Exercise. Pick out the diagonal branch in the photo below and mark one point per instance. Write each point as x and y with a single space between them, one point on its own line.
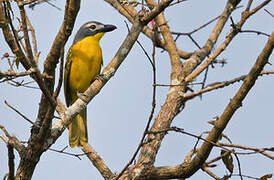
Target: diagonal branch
97 161
233 32
107 73
129 12
234 104
174 101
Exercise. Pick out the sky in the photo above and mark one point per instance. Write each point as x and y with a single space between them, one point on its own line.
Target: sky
117 116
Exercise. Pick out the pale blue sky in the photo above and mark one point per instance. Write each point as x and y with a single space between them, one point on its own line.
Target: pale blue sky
118 115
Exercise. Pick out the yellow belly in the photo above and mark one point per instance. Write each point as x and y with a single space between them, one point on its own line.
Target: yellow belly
86 64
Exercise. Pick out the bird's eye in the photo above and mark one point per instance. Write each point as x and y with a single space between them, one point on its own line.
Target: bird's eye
92 27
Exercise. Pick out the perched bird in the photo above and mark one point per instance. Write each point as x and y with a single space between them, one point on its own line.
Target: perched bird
83 64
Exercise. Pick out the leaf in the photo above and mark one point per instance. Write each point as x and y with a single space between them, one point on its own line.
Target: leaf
265 177
228 161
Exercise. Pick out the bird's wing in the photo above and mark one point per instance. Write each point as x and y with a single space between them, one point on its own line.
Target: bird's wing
66 78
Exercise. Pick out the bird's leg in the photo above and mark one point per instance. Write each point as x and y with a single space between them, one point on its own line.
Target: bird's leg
82 96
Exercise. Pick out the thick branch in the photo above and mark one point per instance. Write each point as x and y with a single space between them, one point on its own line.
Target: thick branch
174 100
97 161
41 131
97 85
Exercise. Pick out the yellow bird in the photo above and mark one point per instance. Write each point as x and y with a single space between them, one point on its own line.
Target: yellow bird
83 64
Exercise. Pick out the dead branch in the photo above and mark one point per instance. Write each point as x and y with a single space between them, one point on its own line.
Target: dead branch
11 161
234 103
233 32
272 15
97 161
217 85
12 74
18 112
256 150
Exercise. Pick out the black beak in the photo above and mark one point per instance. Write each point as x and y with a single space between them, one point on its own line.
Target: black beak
108 28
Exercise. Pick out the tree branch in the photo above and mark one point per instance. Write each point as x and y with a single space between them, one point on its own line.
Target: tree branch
233 32
217 85
129 12
98 84
97 161
233 105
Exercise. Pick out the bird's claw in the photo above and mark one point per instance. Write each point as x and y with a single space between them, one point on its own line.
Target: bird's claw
100 77
83 97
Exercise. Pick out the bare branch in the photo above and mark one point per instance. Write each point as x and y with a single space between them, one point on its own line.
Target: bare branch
13 141
18 112
152 62
272 15
60 81
210 173
11 162
217 85
234 103
97 161
34 41
62 151
256 150
129 12
98 84
12 74
26 35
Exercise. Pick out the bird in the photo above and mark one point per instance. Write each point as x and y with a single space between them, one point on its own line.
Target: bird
83 65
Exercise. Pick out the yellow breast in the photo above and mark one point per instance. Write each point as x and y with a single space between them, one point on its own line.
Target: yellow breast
86 63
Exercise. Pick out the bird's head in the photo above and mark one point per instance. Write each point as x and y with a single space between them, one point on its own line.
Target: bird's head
93 28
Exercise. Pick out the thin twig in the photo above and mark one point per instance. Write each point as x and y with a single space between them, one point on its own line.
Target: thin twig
248 5
60 81
218 85
62 151
269 13
5 131
210 173
33 37
23 116
21 84
239 165
26 34
256 150
253 31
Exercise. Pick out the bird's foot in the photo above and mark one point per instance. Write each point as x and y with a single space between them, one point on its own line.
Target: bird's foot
100 77
83 97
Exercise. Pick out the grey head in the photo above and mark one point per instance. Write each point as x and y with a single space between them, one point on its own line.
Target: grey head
90 29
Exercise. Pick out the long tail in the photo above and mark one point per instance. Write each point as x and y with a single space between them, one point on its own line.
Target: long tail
78 133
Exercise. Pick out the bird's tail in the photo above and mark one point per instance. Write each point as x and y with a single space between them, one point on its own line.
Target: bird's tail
78 134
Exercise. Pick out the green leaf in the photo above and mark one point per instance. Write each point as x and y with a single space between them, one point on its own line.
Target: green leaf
228 161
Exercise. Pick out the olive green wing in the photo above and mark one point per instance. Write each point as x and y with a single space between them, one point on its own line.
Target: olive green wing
67 91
